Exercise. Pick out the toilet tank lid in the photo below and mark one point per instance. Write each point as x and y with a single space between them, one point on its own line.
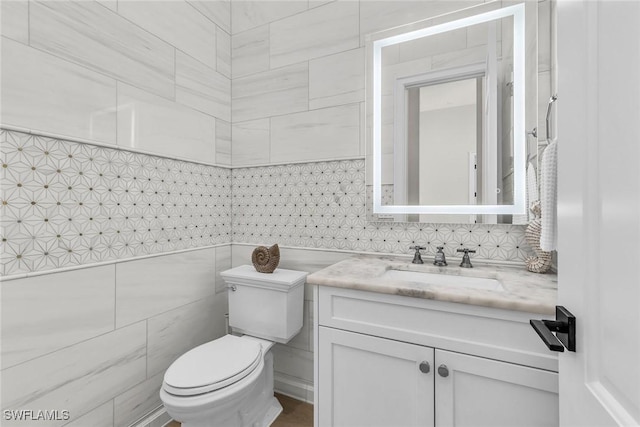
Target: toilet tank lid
280 278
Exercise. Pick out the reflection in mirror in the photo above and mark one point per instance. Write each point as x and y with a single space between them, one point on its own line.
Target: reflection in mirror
448 133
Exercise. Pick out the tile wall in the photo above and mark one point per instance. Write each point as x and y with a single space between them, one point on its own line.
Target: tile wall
155 78
135 100
298 143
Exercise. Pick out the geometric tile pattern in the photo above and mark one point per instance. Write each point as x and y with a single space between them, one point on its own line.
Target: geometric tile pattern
322 205
65 203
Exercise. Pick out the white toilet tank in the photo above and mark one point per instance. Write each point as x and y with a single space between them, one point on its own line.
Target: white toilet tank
265 305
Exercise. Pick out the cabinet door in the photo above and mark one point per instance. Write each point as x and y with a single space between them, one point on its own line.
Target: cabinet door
368 381
482 392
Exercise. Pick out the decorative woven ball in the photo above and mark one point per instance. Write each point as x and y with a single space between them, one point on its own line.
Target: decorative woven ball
266 260
541 262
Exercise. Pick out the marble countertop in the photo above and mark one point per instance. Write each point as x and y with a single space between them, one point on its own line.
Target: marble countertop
523 290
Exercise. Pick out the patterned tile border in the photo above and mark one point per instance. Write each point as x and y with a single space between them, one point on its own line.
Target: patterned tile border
66 203
322 205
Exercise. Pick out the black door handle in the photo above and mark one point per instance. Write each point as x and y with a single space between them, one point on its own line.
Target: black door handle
564 326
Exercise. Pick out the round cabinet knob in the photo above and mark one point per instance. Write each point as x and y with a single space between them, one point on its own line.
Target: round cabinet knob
443 371
233 288
425 367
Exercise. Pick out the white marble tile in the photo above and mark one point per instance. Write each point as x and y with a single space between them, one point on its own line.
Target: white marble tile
460 57
316 3
293 362
250 144
390 74
337 79
147 287
218 11
433 45
45 313
381 15
223 52
544 35
223 262
544 93
220 309
14 18
78 377
177 23
184 328
241 254
102 416
223 142
137 401
317 32
42 92
327 133
120 49
302 341
111 4
250 14
250 51
363 129
202 88
151 123
275 92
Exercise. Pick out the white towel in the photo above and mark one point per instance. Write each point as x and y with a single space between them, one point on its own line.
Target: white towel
549 197
530 196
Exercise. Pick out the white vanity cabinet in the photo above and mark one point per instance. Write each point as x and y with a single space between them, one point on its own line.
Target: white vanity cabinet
371 381
392 361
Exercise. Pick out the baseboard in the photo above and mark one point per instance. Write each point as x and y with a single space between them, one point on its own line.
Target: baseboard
155 418
293 387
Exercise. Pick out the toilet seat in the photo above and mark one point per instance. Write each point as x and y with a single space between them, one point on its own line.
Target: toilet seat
212 366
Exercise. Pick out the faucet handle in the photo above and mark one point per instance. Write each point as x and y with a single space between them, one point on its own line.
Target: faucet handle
417 259
466 261
467 251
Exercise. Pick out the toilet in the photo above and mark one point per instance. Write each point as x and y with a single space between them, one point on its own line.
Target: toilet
229 381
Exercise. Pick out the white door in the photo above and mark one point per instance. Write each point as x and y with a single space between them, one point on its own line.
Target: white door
369 381
599 209
473 391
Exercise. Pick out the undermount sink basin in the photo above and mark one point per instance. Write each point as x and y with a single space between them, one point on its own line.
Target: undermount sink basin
448 280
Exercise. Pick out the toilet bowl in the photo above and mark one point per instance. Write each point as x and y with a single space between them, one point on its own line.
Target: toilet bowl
229 381
237 391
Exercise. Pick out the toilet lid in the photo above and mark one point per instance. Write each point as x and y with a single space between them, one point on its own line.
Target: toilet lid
212 365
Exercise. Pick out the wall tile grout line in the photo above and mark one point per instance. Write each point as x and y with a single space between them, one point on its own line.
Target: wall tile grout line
36 132
301 112
186 205
209 19
95 70
71 345
145 320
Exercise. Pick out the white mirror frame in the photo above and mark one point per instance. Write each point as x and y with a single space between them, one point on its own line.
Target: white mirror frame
519 151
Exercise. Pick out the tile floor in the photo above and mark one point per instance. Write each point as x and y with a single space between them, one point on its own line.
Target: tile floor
294 414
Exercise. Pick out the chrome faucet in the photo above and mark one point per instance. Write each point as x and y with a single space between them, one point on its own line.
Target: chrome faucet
466 261
440 259
417 258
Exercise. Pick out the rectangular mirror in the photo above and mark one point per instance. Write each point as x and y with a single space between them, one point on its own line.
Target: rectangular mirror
449 102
